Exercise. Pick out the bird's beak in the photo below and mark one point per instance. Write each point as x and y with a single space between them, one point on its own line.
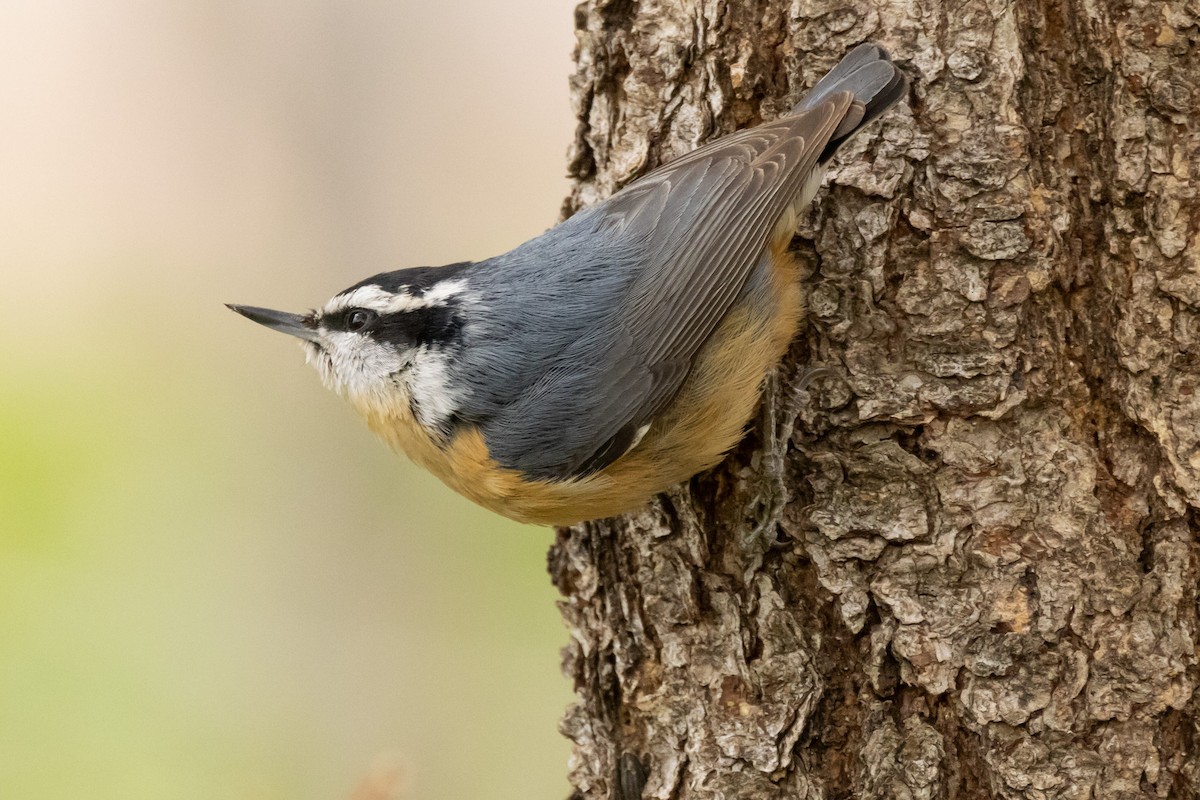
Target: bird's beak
299 325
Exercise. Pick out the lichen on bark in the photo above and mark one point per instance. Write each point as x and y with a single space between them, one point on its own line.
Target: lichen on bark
983 512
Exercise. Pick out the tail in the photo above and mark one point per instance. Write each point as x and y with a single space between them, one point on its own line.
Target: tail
876 82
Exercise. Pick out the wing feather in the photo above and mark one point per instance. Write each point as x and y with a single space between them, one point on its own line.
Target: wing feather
665 260
701 223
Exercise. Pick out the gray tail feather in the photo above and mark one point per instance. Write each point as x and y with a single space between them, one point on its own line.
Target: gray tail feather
876 82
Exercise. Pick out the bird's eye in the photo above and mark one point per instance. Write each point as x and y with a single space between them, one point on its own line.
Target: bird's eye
359 319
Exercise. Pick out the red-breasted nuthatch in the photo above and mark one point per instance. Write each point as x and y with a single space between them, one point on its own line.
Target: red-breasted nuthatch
615 355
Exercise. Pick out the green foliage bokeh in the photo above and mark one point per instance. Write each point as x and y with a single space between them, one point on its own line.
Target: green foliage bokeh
214 582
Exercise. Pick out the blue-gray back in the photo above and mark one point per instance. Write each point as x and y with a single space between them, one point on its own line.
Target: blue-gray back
589 330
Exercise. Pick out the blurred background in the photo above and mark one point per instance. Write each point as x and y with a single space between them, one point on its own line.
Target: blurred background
214 582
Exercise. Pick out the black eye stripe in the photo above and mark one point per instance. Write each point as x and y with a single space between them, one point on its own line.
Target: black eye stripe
351 319
432 325
437 325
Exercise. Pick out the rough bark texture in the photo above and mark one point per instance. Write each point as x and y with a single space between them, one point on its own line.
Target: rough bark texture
975 568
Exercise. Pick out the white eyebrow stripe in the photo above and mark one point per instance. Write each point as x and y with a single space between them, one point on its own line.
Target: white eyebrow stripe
378 299
370 296
437 295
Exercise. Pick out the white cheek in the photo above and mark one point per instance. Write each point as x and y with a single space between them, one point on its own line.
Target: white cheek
429 383
355 365
362 370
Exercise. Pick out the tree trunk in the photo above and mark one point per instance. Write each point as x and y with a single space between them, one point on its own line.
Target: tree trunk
960 560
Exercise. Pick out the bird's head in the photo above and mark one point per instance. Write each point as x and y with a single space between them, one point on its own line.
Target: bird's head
388 340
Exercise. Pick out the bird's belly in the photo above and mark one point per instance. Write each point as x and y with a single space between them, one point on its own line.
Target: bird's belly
708 417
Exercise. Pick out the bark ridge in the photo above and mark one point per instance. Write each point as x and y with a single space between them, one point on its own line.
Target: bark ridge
982 510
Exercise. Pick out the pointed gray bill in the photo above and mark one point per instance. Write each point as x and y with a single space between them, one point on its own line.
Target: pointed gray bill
292 324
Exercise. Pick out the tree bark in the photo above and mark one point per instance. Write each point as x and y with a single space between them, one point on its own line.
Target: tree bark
960 560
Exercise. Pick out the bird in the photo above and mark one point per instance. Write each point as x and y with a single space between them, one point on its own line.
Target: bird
619 353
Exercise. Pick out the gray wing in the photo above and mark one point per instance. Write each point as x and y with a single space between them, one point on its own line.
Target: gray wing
697 226
690 234
711 218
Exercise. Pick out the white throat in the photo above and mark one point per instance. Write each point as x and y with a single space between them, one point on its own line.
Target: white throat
373 375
